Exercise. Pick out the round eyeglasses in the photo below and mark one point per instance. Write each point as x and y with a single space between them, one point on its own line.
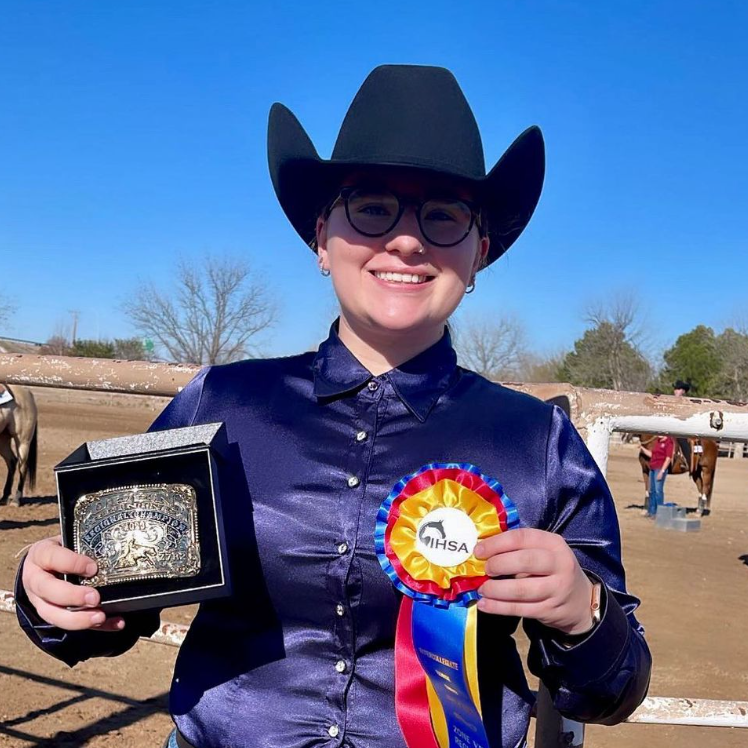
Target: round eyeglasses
444 222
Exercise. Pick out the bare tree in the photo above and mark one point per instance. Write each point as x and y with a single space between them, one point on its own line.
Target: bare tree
7 309
212 316
493 348
541 368
56 345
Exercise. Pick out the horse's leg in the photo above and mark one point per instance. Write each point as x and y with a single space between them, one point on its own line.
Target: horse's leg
699 481
22 450
10 462
644 462
707 480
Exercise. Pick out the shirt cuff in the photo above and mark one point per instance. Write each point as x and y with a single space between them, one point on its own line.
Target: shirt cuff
593 655
36 628
73 647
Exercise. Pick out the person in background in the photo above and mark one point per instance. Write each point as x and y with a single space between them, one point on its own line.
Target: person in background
681 388
660 457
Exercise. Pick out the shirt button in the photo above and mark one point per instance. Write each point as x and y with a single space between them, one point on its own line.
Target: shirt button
333 731
342 548
361 436
340 666
353 481
340 610
373 386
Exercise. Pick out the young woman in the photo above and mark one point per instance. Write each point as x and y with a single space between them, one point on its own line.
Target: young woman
402 217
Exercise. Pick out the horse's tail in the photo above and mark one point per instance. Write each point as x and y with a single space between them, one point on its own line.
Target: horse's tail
31 462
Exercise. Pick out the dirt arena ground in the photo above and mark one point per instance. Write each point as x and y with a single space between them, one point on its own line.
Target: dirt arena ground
694 589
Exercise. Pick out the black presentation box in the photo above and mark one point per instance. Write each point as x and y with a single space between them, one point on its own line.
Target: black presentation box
133 530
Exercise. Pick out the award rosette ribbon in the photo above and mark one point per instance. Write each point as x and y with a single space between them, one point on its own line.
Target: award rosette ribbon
425 534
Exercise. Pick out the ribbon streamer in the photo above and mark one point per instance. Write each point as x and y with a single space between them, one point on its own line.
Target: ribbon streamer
425 533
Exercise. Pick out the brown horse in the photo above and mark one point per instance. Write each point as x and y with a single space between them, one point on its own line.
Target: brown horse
18 430
697 457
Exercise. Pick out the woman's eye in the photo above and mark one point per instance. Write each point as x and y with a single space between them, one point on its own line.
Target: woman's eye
373 209
439 215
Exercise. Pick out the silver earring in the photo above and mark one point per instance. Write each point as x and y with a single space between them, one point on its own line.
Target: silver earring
325 272
471 286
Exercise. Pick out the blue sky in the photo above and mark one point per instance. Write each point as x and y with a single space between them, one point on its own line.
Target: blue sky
134 133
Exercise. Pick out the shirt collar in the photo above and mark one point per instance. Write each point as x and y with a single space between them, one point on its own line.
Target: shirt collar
418 382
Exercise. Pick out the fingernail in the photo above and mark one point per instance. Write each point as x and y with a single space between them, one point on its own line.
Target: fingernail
479 549
120 623
91 569
91 598
98 617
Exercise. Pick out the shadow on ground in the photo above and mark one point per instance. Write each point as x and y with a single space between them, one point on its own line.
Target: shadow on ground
133 711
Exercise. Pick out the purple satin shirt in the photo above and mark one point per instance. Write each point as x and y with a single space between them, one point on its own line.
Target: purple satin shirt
301 654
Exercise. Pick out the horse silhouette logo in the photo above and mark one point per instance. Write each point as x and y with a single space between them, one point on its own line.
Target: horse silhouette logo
435 526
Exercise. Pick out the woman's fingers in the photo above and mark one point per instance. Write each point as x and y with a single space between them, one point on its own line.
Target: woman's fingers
503 608
528 561
51 556
59 592
70 620
68 606
516 540
528 590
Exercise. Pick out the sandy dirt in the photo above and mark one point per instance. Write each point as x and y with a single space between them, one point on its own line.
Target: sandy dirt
694 588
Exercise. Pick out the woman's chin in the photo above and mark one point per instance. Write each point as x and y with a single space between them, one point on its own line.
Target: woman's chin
403 323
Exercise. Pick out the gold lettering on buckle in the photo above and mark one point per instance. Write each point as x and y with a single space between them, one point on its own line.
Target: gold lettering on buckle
138 532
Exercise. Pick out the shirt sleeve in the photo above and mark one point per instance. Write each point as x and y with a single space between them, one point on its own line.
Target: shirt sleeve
604 676
73 647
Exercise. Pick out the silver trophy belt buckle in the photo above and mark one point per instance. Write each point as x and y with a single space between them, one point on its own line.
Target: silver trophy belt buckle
138 532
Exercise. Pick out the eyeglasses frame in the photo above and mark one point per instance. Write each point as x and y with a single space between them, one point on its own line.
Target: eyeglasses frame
345 193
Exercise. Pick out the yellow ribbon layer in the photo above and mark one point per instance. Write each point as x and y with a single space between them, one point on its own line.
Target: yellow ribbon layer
445 493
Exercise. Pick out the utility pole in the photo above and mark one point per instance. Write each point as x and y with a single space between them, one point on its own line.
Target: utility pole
75 314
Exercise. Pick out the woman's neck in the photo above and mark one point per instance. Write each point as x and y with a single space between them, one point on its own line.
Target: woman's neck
380 353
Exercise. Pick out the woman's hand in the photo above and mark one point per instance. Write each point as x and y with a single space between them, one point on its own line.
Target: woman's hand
53 597
660 474
539 577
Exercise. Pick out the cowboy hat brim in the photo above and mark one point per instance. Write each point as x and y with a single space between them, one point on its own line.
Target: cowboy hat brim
305 183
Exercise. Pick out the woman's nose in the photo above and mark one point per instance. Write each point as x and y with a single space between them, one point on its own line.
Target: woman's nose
406 237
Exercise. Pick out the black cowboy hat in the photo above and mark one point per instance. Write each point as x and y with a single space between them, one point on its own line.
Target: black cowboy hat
679 384
407 116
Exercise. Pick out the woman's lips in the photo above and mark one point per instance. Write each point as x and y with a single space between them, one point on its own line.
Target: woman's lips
401 279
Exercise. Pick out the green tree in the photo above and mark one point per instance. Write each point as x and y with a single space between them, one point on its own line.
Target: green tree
694 358
92 349
604 357
130 349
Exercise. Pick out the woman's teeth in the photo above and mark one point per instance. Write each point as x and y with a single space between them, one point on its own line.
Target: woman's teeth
402 277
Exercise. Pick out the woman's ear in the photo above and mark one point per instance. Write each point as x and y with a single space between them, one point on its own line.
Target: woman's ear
321 234
482 254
